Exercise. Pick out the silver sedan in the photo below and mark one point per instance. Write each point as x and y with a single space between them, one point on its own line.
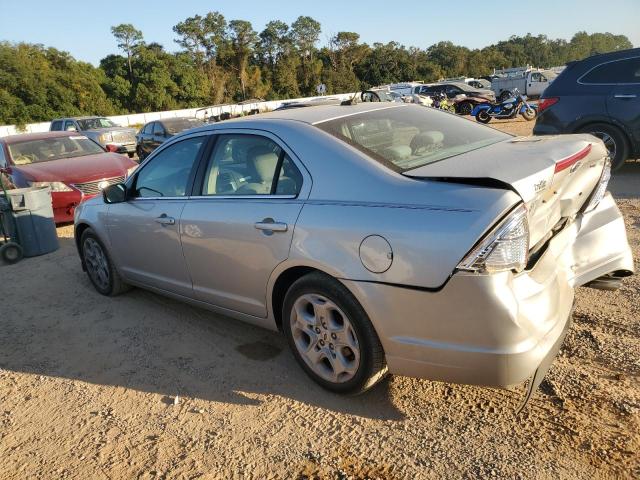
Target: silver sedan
377 237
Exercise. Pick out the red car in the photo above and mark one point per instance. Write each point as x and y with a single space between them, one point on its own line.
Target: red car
73 166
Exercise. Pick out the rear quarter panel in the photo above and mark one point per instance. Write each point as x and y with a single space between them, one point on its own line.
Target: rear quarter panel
428 241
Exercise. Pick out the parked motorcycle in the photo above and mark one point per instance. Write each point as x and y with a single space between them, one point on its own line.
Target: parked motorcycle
510 108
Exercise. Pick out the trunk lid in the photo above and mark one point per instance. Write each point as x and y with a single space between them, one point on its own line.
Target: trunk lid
553 175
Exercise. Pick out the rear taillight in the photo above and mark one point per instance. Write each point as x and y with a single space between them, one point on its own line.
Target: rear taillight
545 103
601 188
112 148
505 247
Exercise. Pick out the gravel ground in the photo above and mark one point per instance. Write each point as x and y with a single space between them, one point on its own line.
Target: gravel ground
140 386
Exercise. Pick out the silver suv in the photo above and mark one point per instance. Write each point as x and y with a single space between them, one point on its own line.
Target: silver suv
112 137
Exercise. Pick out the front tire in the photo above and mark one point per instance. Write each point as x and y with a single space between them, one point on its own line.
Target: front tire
529 114
483 117
102 273
331 335
613 139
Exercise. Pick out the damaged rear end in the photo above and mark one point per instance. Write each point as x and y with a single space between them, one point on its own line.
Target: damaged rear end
565 208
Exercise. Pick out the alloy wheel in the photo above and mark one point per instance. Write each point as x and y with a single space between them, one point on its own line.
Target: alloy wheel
96 262
325 338
609 142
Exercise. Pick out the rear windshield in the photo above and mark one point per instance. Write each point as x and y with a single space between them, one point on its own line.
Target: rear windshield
408 137
48 149
95 123
180 124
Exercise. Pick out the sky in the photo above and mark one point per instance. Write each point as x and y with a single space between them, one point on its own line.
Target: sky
83 28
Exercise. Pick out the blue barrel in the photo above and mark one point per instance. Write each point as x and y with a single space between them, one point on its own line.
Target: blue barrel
33 226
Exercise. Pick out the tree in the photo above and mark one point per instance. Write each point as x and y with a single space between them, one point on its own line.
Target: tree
305 32
243 38
128 40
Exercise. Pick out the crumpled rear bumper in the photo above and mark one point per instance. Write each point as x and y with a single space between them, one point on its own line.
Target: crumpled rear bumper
496 329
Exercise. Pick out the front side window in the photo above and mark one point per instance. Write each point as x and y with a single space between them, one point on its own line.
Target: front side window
617 72
148 129
69 126
407 137
49 149
167 173
250 165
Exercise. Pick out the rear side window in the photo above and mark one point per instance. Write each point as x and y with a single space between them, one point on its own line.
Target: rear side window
57 125
148 129
617 72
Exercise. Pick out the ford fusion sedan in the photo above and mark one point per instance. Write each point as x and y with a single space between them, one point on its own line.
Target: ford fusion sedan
73 166
152 134
377 237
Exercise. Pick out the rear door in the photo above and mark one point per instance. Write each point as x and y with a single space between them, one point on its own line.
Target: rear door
623 104
145 230
240 225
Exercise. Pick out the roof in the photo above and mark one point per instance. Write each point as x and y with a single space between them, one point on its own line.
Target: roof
25 137
86 117
319 113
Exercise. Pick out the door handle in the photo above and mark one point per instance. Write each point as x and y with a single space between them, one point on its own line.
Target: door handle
269 225
164 220
624 95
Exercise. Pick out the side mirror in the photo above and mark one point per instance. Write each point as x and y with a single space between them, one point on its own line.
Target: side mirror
116 193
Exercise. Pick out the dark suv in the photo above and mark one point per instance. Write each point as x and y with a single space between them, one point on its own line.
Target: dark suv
598 95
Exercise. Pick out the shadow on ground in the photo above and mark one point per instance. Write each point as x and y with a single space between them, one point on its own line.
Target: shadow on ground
54 323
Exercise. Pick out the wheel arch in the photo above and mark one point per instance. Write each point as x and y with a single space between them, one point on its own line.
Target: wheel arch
607 121
79 229
283 278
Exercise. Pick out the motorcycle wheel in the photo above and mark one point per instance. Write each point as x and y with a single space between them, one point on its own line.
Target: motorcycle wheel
465 108
483 117
529 114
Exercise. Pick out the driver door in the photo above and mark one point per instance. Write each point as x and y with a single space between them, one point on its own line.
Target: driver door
145 230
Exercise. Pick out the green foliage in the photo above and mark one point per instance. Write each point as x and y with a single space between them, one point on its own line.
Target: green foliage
222 61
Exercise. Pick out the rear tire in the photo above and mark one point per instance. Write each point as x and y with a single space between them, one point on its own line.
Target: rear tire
331 335
483 117
464 108
613 139
100 268
11 253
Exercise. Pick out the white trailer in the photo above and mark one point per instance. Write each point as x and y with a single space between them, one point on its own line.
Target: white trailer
529 81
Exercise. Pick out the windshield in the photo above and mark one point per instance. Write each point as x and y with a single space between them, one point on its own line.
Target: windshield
47 149
178 125
407 137
95 123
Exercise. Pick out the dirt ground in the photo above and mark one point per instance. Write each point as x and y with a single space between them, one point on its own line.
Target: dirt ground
140 386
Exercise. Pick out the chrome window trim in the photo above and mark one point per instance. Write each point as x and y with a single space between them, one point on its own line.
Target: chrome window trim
307 180
605 63
243 197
